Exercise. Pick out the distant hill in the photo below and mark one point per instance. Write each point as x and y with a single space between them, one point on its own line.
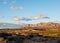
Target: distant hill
43 25
9 25
45 29
48 25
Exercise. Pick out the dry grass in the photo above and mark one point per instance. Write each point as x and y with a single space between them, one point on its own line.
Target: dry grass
27 31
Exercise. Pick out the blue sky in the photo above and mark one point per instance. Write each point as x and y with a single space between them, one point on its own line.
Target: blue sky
30 8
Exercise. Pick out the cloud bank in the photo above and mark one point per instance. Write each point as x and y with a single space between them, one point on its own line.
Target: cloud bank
15 18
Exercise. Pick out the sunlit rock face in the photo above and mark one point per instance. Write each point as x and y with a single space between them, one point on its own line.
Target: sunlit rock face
49 25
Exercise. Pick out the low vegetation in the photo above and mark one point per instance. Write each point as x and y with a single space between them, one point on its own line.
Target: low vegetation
26 31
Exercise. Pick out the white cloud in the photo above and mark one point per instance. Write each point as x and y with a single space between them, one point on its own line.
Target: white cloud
11 5
39 17
16 8
15 18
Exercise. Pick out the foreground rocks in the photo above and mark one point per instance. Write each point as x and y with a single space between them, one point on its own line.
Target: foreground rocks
33 38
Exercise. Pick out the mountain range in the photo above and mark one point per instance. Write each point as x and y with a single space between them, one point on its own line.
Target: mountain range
38 25
49 25
9 25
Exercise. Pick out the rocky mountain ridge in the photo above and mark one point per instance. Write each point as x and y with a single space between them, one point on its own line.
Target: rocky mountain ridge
45 25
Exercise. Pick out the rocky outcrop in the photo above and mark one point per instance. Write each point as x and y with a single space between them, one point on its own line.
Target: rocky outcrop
48 25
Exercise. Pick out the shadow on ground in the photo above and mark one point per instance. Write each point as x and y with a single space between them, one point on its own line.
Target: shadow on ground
32 38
